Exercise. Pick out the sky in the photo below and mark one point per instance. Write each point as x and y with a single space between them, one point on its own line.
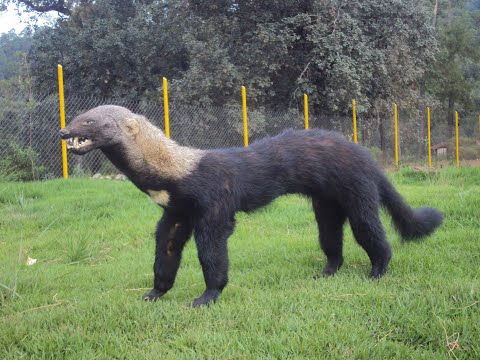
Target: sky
10 20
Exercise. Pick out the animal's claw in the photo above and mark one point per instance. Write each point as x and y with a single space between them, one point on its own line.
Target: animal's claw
153 295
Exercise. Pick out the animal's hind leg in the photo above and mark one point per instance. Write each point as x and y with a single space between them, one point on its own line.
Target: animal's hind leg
171 235
369 233
330 219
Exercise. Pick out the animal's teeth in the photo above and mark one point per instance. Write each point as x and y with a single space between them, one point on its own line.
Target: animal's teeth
78 142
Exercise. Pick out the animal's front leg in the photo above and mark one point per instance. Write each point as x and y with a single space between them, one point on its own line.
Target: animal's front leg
211 235
171 235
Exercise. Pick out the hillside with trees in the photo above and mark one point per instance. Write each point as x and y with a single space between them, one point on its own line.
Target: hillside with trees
415 53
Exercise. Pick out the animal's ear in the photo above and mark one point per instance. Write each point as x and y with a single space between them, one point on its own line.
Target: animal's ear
131 126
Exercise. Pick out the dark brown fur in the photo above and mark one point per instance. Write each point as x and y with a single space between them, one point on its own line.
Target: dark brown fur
202 190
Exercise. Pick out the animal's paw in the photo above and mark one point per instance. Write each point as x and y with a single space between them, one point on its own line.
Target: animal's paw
378 272
208 297
331 268
329 271
379 267
153 295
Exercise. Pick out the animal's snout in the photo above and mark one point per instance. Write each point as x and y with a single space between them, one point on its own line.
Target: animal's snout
64 133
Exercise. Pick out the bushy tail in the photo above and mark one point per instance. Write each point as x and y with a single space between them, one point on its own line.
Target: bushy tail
410 223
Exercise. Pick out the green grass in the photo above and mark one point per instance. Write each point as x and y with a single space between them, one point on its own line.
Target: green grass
94 243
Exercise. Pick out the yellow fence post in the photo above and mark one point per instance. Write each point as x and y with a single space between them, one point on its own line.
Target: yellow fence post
245 119
61 100
305 110
395 136
429 142
354 119
457 152
165 107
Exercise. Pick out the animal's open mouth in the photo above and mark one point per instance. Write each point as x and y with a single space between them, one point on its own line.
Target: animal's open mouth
78 143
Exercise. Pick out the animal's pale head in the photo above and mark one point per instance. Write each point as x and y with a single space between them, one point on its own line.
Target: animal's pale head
100 127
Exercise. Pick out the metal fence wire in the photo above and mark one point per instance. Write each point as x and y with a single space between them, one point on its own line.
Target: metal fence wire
30 145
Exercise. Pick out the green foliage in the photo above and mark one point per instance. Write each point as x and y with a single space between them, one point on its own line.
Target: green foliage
454 76
13 48
376 153
19 164
110 49
42 6
369 50
278 49
31 123
468 148
407 175
377 52
463 177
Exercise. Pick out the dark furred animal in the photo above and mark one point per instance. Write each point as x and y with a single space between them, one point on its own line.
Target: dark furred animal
201 191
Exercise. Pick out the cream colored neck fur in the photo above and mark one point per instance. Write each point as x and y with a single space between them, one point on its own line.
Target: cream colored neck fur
164 156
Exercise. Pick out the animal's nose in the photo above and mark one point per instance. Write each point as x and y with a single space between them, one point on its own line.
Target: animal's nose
64 133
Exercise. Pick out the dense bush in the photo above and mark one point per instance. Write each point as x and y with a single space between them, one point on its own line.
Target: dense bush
20 164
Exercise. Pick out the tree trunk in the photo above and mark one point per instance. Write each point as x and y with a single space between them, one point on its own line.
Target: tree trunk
451 116
381 131
435 12
421 120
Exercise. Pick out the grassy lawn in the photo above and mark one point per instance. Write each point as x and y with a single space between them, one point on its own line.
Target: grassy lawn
93 241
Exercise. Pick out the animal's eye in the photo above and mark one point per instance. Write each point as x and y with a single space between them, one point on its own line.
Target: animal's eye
89 122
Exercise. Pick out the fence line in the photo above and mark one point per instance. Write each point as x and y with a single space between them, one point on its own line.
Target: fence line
29 131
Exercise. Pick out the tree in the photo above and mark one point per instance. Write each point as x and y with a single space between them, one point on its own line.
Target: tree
241 43
452 79
13 49
332 49
112 49
42 6
335 50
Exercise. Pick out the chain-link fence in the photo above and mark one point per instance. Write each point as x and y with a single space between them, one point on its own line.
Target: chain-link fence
30 145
